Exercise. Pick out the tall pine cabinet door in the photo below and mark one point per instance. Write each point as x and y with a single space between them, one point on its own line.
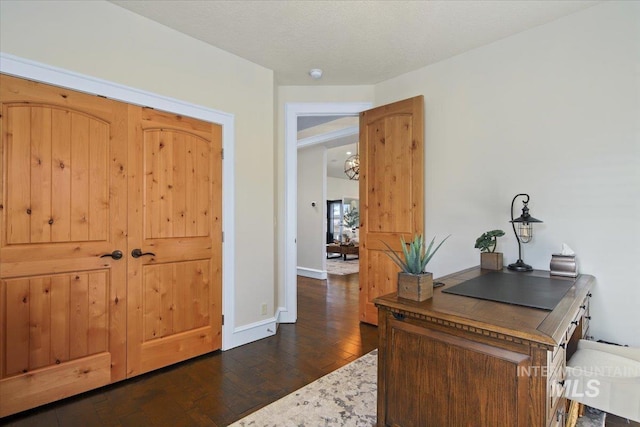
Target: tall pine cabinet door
175 239
63 197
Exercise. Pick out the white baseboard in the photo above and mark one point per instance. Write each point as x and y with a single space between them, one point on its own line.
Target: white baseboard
285 316
312 273
253 332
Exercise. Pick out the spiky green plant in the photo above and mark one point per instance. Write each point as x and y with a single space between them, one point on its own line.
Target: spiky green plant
416 256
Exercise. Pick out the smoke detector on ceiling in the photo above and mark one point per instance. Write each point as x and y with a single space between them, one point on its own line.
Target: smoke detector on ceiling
315 73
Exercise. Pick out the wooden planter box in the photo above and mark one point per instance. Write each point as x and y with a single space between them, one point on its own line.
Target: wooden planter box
491 260
416 287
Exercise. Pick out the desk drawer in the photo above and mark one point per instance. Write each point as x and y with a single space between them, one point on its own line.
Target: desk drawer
586 317
558 355
555 390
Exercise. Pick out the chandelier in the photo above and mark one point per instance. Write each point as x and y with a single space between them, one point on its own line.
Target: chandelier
352 167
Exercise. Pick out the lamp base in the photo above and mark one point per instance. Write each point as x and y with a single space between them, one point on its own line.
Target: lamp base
520 266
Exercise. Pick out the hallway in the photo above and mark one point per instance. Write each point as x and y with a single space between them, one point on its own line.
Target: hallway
222 387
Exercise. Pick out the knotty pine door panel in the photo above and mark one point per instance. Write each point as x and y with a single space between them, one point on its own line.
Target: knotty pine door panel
63 205
81 177
391 193
175 296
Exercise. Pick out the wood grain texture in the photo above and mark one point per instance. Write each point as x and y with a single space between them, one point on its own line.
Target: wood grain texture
50 384
61 174
63 205
17 224
41 194
478 379
219 388
391 192
497 361
83 176
175 194
53 319
16 307
176 164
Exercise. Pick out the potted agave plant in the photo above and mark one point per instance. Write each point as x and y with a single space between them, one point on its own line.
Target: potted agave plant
414 282
489 258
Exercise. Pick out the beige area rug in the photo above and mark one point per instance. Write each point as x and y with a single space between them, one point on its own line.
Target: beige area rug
346 397
341 267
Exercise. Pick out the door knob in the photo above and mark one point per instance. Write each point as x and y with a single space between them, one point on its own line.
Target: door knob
137 253
117 254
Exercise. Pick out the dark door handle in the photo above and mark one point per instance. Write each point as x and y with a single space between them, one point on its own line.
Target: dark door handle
137 253
117 254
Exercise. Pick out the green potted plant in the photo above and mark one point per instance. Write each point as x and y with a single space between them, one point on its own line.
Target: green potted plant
351 221
414 282
352 218
489 258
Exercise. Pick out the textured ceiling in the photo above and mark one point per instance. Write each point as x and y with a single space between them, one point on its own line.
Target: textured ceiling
354 42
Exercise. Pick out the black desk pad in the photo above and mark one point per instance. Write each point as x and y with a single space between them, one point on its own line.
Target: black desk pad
517 289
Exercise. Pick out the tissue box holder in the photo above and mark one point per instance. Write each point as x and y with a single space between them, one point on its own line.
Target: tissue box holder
563 265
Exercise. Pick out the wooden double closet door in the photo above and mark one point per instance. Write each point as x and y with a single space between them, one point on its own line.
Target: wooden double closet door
110 241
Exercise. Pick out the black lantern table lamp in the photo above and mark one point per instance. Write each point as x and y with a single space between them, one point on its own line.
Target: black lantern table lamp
524 233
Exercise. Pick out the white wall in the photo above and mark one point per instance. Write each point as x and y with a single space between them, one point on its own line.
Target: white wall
100 39
338 188
553 112
312 170
312 221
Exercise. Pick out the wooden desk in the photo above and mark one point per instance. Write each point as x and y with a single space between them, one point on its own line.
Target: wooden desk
460 361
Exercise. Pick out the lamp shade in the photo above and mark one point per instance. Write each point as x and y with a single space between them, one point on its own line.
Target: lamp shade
525 217
528 218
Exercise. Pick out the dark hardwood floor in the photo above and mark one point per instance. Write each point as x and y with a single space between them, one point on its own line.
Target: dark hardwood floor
615 421
222 387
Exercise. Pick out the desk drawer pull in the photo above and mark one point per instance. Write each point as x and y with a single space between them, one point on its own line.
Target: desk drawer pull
574 322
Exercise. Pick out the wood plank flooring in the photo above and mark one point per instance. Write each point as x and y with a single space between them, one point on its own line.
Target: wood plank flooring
222 387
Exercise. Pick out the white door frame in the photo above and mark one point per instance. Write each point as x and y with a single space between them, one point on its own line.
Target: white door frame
20 67
288 313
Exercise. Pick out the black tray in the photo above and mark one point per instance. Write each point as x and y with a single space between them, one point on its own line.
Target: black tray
517 289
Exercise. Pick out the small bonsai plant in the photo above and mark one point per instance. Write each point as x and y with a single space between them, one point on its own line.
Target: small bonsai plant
416 256
488 241
489 258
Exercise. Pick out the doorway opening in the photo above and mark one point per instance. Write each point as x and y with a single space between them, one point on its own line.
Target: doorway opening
293 111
